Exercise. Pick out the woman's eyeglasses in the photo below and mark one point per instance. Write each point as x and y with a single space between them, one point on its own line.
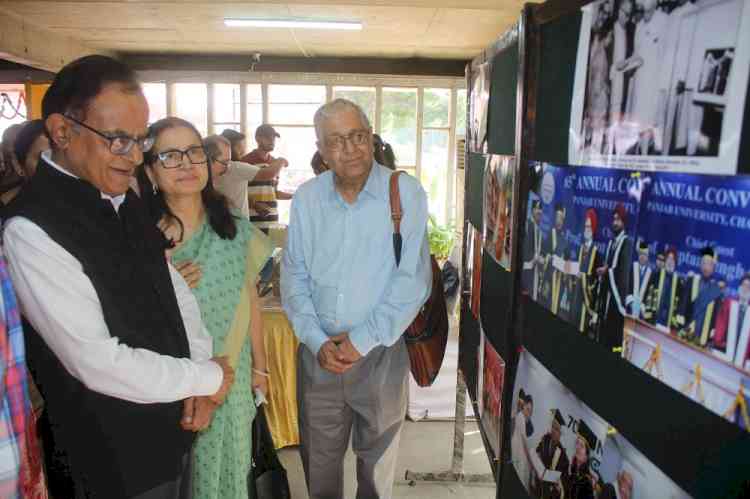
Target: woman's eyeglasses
173 158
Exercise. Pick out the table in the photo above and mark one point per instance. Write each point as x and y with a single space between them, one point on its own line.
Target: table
281 353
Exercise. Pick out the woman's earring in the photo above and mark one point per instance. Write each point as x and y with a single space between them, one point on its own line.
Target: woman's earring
156 189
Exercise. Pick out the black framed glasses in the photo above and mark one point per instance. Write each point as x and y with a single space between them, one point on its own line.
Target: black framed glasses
225 164
338 142
120 144
173 158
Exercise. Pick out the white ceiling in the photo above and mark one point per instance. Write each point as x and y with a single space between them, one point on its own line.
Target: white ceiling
445 29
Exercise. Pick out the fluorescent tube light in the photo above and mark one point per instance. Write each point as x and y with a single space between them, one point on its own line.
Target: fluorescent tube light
292 23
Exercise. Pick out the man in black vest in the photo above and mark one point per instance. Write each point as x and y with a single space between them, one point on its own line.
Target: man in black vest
114 337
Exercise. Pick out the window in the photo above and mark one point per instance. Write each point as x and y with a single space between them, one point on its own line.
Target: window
156 96
291 109
294 104
191 104
12 108
435 159
363 96
226 107
461 112
254 112
399 124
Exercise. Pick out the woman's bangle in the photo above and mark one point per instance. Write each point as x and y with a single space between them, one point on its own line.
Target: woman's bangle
262 373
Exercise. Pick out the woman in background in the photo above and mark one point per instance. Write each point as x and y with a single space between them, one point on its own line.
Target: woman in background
383 152
176 186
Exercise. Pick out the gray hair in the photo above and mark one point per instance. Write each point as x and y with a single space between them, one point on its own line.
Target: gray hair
331 109
212 144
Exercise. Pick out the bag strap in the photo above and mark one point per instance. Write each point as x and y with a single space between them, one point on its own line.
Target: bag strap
396 215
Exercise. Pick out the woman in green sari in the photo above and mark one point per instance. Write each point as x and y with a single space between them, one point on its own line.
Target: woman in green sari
176 184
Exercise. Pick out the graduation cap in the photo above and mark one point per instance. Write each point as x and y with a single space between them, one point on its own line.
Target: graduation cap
587 435
536 205
642 246
559 208
557 417
709 251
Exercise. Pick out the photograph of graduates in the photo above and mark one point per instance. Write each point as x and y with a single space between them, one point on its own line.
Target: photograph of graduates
474 268
493 379
689 325
570 451
578 247
498 208
479 102
657 81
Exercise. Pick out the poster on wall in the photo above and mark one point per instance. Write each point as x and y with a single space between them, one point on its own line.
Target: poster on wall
560 448
490 384
661 85
689 313
580 235
479 105
474 268
498 208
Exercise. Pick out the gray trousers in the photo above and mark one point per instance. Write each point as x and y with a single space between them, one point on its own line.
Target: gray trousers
368 402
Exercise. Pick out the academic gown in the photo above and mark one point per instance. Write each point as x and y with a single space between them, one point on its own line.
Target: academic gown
702 302
579 484
586 289
616 285
668 296
554 245
641 282
532 247
553 456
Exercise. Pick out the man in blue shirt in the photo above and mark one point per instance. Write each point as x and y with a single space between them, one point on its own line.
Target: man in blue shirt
349 304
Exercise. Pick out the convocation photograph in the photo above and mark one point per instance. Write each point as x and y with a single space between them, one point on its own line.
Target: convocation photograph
490 381
661 85
479 105
689 314
580 237
561 449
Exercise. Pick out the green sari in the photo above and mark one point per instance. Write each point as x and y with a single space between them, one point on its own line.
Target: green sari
230 266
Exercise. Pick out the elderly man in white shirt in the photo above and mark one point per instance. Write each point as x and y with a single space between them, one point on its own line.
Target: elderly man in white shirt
114 336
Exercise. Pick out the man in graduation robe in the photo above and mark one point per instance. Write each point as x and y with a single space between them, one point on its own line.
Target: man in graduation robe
615 274
587 282
702 300
553 456
532 252
640 284
554 246
668 292
732 335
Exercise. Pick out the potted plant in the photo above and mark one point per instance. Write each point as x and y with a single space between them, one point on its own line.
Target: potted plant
441 239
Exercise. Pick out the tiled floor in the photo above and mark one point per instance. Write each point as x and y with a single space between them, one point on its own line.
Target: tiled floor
426 446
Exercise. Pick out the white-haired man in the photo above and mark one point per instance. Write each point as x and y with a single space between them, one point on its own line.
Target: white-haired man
349 304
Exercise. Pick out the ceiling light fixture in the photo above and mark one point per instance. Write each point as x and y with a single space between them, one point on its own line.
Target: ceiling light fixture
292 23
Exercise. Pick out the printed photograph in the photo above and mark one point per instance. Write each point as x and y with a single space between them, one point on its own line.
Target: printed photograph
474 268
479 104
661 85
580 235
490 406
498 208
561 449
689 298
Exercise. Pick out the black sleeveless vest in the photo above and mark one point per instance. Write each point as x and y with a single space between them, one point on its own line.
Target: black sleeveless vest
108 447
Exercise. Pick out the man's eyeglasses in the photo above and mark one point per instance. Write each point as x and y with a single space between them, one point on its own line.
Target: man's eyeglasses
119 145
338 142
225 164
173 157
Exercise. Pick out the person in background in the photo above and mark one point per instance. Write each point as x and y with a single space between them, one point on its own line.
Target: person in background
30 143
20 470
615 275
733 325
668 293
641 284
114 335
237 141
578 483
352 362
318 164
519 444
383 152
554 245
10 181
532 252
264 193
587 283
701 300
553 456
176 181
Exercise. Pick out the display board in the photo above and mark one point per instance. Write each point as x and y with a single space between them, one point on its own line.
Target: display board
613 284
